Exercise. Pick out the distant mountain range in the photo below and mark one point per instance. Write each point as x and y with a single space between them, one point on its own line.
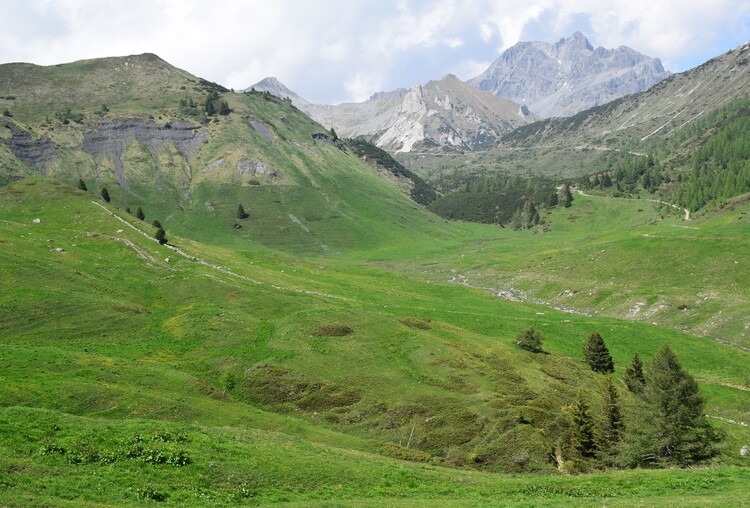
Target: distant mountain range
570 76
529 81
447 112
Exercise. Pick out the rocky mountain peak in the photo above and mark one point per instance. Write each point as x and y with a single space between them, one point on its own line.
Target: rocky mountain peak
577 41
569 76
273 86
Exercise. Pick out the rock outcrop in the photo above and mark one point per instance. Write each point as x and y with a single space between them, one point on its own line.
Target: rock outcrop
108 141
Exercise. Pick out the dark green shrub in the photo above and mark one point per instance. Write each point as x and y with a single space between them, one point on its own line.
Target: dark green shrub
530 340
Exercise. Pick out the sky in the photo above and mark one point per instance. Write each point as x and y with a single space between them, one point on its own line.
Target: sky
340 51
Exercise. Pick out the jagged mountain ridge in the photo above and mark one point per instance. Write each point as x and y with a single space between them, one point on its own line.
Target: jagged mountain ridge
569 76
664 108
445 112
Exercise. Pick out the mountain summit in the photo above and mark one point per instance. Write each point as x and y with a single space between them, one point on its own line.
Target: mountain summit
569 76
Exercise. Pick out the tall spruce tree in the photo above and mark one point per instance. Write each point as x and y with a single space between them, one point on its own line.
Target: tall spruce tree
583 428
139 213
596 354
633 377
105 195
611 423
670 426
567 197
82 185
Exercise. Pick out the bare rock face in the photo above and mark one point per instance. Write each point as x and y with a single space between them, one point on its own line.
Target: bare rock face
448 113
442 113
109 140
568 77
37 153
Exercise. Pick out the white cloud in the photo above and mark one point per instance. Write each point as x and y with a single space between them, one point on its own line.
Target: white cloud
330 51
361 86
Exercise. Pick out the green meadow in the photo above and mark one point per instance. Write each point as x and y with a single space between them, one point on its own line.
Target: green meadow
252 376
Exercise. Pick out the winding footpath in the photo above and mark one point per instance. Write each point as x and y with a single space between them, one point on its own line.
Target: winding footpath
217 268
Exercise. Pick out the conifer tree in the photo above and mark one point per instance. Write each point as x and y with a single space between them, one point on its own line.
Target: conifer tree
633 377
210 109
105 195
139 213
515 221
611 427
583 428
529 211
530 339
671 426
82 185
161 236
596 354
156 223
567 196
224 108
241 214
552 199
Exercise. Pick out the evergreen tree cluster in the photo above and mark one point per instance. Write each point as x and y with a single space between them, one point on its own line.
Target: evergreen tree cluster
215 104
658 422
497 199
187 107
629 177
721 168
67 116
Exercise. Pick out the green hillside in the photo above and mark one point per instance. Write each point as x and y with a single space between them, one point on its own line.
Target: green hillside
340 344
305 192
136 83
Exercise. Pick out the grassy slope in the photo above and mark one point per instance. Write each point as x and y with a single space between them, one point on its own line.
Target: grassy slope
311 199
632 259
134 345
138 83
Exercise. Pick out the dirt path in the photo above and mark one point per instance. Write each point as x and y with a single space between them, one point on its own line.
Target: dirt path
217 268
141 253
687 212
